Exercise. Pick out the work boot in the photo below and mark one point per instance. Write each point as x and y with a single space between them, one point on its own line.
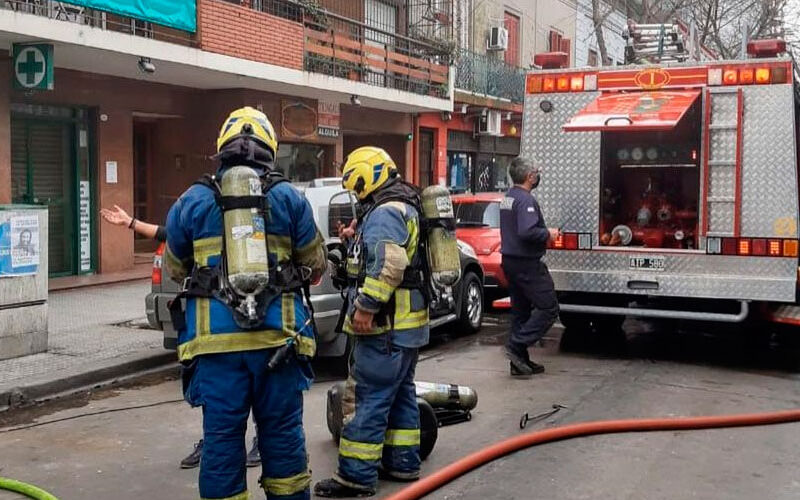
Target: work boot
331 488
519 361
398 477
193 460
536 367
254 456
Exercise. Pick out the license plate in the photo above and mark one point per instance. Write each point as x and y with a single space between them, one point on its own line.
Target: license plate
654 263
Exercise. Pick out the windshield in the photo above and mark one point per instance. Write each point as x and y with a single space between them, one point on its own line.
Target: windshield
477 214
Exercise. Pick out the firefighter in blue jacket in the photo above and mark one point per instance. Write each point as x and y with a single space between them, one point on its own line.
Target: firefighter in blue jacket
388 315
228 364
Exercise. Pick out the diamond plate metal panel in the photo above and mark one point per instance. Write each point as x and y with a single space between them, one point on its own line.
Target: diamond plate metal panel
721 219
686 275
722 181
723 107
769 173
723 145
570 188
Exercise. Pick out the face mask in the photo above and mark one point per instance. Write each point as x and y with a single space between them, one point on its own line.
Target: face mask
537 181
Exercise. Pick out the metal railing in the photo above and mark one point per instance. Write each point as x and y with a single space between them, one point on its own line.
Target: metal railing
67 12
486 75
338 43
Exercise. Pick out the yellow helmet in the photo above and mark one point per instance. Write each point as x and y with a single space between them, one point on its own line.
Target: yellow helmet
250 122
366 169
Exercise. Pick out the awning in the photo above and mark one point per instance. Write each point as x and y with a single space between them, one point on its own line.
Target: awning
659 110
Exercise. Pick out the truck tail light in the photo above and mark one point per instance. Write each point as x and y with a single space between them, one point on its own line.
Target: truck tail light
158 259
762 75
576 83
715 76
730 77
746 75
590 82
780 75
562 84
757 247
549 84
572 241
534 85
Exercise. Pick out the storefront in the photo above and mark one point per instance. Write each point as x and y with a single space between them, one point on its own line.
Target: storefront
51 158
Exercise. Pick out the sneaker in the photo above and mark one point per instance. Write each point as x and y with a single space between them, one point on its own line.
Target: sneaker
398 477
193 460
254 456
330 488
519 363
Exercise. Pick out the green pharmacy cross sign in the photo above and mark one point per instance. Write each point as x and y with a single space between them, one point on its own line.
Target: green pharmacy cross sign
33 66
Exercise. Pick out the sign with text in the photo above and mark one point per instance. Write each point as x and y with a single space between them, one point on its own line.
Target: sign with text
328 119
85 227
33 66
19 244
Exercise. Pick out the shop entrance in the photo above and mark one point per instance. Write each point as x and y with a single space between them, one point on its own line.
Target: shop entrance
50 166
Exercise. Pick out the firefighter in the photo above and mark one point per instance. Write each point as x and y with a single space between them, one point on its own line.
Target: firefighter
524 237
387 313
226 364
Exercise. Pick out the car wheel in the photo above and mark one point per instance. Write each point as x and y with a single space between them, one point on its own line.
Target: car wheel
470 317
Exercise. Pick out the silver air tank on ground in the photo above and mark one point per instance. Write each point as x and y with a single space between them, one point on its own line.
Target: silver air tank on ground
449 396
245 239
443 256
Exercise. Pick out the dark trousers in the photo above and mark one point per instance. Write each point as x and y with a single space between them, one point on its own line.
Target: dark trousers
534 305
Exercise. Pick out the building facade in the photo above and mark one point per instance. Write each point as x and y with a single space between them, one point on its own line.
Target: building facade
120 103
470 148
613 22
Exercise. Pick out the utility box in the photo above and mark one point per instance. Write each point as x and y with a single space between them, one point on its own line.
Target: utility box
23 280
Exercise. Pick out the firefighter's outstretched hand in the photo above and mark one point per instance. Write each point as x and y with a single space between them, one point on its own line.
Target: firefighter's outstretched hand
347 232
362 321
554 233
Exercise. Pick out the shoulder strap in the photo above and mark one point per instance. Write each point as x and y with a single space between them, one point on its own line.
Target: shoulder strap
272 179
209 181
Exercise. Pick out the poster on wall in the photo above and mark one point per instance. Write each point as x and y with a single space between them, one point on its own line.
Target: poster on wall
19 244
85 228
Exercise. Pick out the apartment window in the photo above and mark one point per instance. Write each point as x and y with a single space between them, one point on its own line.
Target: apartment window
512 52
592 61
558 43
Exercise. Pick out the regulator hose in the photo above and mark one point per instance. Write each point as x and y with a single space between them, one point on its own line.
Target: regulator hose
495 451
28 490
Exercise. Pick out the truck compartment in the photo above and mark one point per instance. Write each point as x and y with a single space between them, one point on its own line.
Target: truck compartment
650 185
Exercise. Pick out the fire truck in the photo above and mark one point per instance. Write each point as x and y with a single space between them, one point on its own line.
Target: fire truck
675 185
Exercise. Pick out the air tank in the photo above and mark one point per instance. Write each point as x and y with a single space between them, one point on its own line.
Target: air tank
443 254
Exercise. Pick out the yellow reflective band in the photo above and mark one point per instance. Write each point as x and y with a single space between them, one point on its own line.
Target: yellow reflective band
312 252
413 238
402 301
241 496
360 451
205 248
176 268
413 320
238 341
287 313
285 486
402 437
202 313
281 246
377 289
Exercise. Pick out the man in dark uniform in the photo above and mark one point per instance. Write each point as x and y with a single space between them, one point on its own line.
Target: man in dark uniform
524 236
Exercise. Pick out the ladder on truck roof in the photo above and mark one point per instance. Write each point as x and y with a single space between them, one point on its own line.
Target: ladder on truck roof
654 43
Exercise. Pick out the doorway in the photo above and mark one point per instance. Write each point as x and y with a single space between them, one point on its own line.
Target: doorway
426 157
142 160
50 158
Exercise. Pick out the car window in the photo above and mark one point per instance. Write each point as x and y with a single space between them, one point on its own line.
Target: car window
477 214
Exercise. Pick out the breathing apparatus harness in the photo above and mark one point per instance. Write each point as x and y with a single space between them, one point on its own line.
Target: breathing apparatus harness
212 281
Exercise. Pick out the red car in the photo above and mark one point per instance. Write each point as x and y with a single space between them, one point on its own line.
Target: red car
478 223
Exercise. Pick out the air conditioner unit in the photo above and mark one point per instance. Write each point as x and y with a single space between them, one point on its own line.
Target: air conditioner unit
489 124
498 38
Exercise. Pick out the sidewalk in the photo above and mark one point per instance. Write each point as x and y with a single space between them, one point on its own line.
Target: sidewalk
96 334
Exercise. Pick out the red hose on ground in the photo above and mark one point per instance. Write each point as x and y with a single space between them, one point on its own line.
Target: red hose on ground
486 455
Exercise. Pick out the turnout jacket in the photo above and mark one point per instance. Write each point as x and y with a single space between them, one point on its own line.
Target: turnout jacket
194 238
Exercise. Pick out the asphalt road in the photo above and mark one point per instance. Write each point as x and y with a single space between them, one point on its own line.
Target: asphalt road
656 371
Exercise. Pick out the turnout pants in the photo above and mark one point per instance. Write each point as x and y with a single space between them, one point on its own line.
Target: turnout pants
534 305
227 386
381 416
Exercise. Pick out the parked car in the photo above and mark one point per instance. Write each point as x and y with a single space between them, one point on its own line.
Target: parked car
467 311
478 223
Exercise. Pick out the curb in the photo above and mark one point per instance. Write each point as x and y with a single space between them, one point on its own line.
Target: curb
101 375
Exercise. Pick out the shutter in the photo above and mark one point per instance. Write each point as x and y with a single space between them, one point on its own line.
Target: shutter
19 163
566 47
553 41
50 158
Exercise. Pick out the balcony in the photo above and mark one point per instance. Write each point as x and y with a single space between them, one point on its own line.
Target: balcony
64 11
488 76
367 41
